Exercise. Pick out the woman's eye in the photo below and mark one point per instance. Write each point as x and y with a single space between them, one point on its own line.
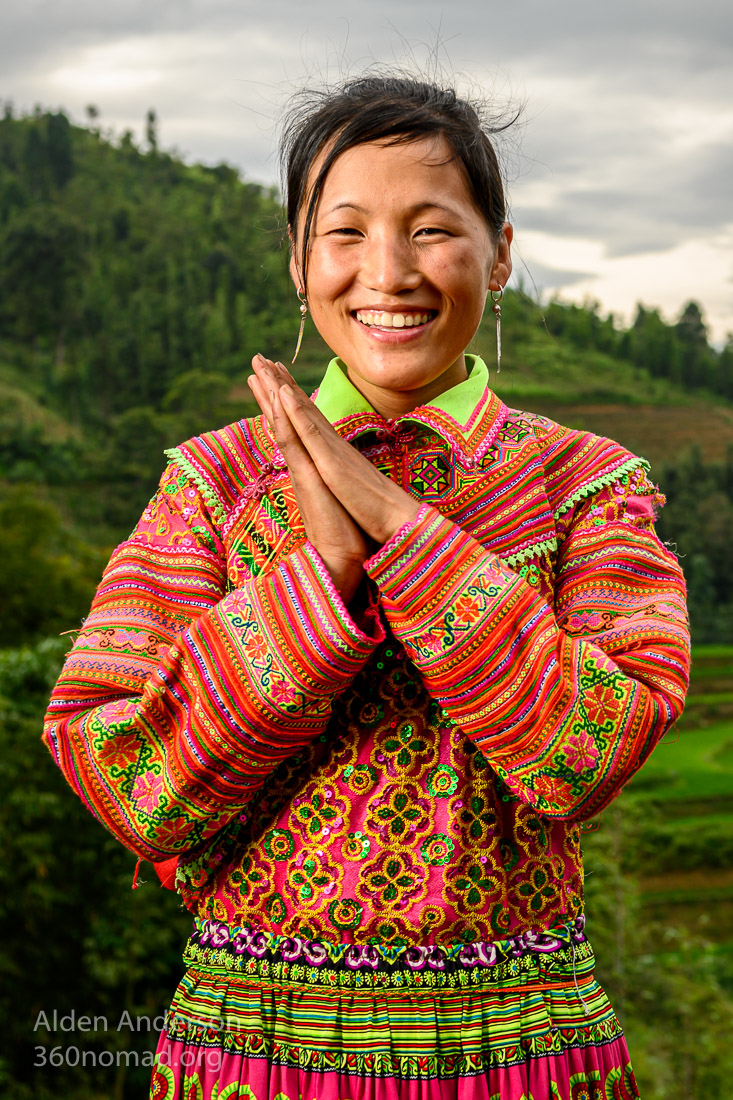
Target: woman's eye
432 230
346 231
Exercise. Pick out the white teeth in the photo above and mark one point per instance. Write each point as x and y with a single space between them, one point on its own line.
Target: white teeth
391 320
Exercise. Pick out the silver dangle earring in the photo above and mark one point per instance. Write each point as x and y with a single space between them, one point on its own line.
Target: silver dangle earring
496 297
303 312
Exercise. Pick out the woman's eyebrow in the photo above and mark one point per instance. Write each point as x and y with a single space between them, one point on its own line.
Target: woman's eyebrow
346 206
418 208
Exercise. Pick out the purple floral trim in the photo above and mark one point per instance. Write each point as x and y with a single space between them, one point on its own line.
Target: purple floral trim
253 943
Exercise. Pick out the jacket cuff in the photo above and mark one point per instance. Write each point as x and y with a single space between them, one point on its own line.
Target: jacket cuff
373 631
426 562
296 615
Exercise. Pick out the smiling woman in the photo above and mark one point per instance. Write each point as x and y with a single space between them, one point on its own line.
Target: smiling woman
369 660
399 263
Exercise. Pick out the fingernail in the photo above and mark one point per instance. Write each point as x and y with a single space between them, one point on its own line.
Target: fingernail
287 390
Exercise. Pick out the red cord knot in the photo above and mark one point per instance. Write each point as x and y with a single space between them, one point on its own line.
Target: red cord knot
259 486
396 431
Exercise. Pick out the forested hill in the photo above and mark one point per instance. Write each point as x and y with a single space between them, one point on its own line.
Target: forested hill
134 290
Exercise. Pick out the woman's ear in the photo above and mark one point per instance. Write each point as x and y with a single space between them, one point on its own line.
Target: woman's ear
294 269
502 266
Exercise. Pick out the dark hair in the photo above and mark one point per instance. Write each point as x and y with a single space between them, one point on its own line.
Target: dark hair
394 109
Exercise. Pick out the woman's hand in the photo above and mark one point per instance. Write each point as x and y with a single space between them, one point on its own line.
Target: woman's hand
339 541
327 469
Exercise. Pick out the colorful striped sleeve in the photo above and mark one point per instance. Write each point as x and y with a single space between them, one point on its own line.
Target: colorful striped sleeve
177 700
566 703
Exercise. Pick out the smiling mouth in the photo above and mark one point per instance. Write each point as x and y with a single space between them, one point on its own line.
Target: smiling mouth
374 318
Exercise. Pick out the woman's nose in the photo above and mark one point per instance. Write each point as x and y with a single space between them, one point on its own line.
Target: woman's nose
388 264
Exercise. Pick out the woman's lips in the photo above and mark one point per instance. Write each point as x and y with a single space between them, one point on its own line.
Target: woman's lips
374 318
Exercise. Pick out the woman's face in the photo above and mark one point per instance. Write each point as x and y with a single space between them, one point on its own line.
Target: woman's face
399 264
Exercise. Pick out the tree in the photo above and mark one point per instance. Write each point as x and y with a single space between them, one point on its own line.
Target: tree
35 163
151 130
42 256
652 344
47 577
697 359
59 149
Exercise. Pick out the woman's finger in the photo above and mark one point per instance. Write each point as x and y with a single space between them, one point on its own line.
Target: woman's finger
376 504
296 456
261 396
318 436
261 383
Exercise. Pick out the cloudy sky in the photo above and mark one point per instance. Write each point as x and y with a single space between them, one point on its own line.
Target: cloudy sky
621 170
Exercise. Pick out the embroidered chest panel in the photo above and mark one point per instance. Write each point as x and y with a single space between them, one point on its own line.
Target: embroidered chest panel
391 827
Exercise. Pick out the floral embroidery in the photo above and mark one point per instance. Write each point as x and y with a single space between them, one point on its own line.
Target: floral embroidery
120 751
442 781
147 790
400 811
551 789
282 692
437 849
344 913
279 844
276 908
318 811
249 878
256 647
531 830
477 816
403 744
602 705
169 835
580 751
356 846
468 609
312 878
391 880
537 886
473 882
360 778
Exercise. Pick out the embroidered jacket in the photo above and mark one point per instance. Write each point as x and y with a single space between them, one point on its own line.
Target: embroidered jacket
419 775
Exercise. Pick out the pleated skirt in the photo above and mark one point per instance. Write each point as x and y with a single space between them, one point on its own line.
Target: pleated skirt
299 1020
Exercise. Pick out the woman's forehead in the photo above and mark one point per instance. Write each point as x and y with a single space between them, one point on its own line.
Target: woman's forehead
373 170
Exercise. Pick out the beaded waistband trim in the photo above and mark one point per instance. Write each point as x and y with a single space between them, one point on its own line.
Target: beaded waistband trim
224 944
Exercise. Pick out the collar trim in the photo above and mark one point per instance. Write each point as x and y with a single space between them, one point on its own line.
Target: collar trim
468 416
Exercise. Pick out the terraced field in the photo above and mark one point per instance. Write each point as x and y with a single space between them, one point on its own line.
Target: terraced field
687 787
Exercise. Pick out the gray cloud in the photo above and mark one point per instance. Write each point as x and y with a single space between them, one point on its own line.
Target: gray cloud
534 277
625 139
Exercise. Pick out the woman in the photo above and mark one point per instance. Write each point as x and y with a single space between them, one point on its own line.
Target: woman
368 661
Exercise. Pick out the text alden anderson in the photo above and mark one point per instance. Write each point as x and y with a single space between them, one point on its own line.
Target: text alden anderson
71 1022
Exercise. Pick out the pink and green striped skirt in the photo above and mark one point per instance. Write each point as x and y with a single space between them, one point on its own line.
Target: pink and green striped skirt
285 1018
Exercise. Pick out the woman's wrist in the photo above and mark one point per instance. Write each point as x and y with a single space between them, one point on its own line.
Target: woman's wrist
400 514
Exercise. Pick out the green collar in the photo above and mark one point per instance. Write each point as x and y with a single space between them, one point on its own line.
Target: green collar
468 416
337 398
